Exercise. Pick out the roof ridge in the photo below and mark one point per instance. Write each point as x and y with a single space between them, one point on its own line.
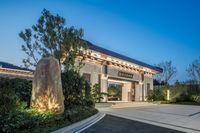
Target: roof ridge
12 66
120 56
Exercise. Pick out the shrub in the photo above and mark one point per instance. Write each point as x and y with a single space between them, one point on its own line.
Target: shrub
8 97
150 95
13 93
178 93
96 93
76 89
195 98
32 121
15 116
22 89
156 94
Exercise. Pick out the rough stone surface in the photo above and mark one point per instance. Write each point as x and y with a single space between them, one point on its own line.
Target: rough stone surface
47 93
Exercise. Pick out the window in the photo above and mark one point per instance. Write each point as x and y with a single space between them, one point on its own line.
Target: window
87 76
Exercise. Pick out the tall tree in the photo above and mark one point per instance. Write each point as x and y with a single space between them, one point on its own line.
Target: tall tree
169 71
50 37
194 70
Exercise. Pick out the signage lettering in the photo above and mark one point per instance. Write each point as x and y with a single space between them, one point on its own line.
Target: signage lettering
126 75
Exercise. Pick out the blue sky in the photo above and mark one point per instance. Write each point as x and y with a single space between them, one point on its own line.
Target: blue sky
147 30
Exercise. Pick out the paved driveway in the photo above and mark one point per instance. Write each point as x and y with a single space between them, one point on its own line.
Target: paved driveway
113 124
179 117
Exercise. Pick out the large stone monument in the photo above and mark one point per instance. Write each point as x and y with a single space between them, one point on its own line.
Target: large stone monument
47 93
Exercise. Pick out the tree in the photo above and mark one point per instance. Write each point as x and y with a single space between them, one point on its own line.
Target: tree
75 88
194 70
50 37
96 93
169 71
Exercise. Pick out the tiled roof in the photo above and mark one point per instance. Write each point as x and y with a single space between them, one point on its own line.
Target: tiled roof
11 66
119 56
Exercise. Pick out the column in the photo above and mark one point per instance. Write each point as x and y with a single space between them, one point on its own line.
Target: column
104 87
125 89
124 92
137 92
143 92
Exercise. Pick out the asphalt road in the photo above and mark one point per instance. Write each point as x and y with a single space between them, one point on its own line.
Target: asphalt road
113 124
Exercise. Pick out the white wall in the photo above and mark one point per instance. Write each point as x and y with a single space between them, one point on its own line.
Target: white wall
94 71
125 89
104 87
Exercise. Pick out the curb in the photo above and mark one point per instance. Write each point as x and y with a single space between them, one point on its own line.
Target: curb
81 125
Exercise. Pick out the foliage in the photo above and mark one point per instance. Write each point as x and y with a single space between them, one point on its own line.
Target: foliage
114 92
150 95
195 98
14 92
194 70
16 116
169 71
76 89
50 37
178 93
28 120
155 95
96 93
8 98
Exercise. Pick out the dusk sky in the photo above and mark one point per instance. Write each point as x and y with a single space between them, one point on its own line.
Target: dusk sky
151 31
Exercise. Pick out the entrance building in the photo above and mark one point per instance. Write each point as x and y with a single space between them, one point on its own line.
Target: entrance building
105 67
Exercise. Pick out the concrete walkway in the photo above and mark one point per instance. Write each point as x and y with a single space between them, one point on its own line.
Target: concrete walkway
184 118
